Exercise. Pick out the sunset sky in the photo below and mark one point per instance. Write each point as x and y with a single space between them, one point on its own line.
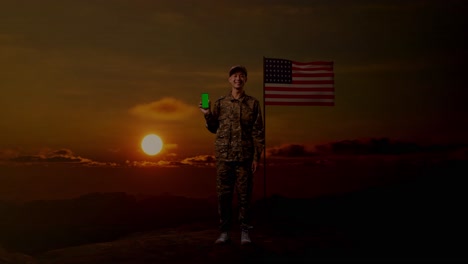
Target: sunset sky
88 79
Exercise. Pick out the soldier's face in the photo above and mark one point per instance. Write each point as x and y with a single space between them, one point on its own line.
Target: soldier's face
237 80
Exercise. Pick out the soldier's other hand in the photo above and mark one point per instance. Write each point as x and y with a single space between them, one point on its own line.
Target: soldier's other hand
203 110
254 166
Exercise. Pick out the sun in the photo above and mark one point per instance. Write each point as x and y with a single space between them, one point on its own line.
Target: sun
151 144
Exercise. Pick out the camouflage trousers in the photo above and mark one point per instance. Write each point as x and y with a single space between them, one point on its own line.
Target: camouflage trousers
234 175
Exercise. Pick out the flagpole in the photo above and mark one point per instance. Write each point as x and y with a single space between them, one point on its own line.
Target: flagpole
264 133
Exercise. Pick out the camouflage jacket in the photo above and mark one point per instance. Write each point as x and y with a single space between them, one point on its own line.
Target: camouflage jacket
238 126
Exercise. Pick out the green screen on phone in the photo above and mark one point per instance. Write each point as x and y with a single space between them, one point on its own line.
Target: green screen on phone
204 99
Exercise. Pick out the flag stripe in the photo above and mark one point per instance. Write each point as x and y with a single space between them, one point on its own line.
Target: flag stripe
312 78
302 103
299 100
308 74
299 89
311 68
330 63
300 92
312 82
312 72
300 96
285 85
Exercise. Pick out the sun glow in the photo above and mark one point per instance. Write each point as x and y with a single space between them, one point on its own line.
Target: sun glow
152 144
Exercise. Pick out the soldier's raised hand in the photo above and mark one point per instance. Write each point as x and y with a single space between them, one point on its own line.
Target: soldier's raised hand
205 110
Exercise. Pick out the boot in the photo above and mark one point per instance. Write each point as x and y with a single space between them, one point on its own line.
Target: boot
245 238
223 238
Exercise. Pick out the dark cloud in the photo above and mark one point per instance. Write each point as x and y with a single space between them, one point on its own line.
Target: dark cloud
58 156
28 159
383 146
62 155
55 156
290 150
62 152
372 146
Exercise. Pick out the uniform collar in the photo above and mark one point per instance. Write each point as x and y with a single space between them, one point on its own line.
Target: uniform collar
231 98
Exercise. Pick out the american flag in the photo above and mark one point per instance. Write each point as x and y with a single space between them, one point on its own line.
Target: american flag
289 82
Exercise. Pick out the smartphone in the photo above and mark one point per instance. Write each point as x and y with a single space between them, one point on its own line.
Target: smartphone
204 99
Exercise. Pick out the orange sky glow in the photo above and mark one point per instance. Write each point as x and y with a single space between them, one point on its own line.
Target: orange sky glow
82 82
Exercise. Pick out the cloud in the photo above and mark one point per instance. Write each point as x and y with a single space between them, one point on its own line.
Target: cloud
200 161
363 150
290 150
167 108
59 156
149 164
197 161
383 146
37 158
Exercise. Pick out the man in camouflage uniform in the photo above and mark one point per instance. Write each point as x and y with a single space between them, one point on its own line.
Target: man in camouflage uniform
236 119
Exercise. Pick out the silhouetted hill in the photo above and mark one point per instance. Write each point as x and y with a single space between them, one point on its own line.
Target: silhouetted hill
420 217
43 225
417 218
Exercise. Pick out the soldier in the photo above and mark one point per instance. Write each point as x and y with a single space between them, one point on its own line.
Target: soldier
236 119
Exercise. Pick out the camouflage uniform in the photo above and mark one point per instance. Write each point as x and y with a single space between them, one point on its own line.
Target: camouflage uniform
240 136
